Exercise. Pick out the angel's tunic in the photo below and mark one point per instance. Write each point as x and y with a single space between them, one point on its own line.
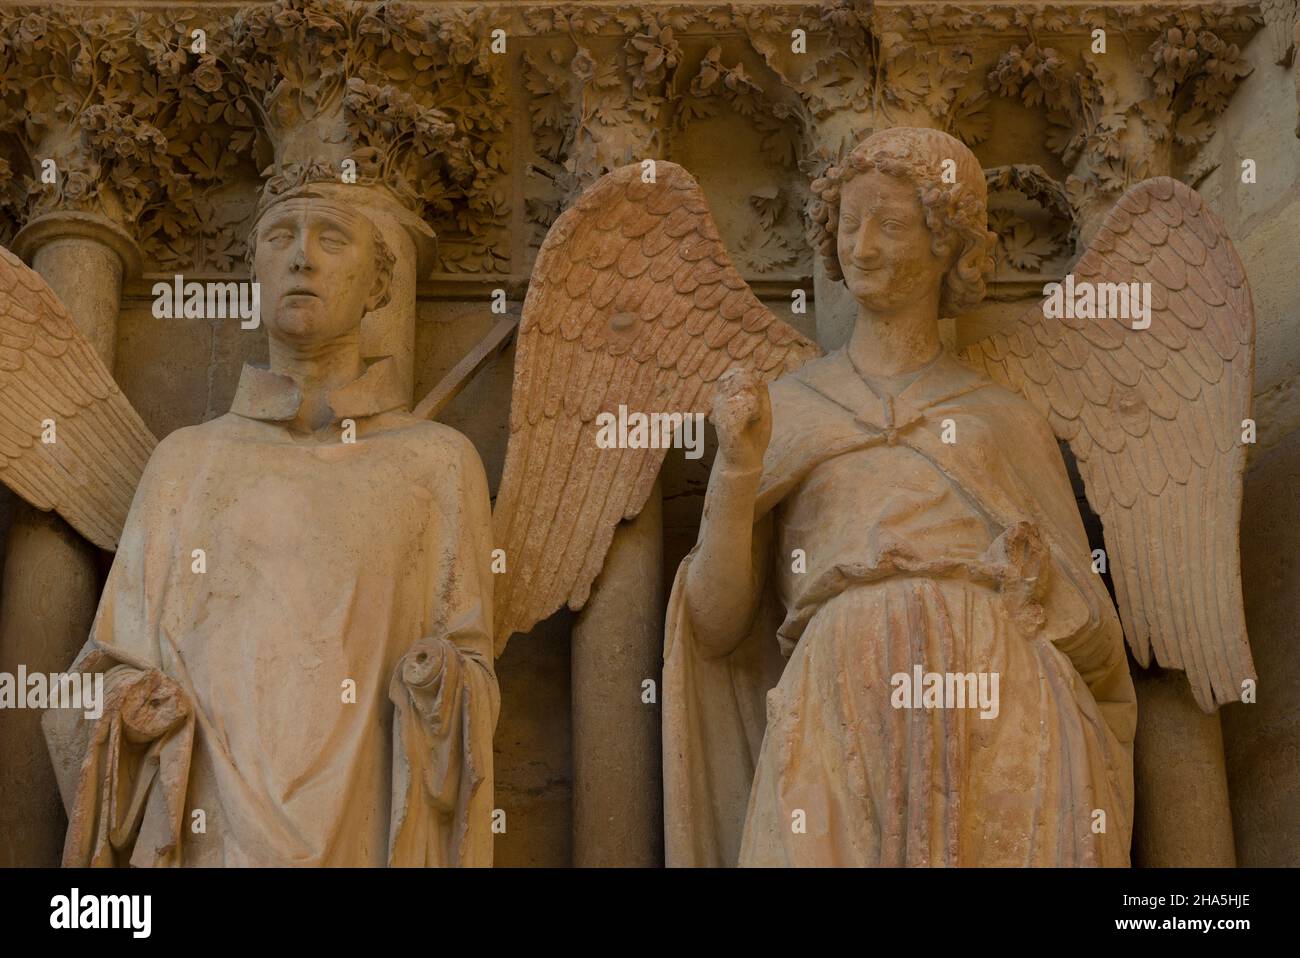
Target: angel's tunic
932 531
323 564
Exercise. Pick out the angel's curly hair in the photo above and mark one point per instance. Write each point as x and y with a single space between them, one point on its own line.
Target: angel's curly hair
956 213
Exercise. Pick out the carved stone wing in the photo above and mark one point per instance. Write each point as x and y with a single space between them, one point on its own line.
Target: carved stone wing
1154 417
49 373
634 302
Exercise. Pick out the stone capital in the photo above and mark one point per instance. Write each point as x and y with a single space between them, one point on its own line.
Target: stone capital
77 224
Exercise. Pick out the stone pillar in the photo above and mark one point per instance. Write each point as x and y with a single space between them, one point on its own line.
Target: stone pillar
1182 818
84 258
51 575
617 645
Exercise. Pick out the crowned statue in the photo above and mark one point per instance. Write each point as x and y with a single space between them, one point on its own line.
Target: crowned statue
296 633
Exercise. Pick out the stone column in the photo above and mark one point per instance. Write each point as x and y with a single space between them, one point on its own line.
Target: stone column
1182 819
617 645
51 575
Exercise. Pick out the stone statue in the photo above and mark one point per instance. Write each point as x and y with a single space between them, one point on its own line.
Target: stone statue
296 633
890 533
891 517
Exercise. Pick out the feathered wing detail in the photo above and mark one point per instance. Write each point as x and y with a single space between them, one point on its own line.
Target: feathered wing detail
1154 418
49 372
633 302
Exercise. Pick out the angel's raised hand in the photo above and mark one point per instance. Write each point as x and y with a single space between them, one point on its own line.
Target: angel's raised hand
742 414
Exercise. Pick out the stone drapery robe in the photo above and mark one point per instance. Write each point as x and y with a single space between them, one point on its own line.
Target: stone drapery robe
329 565
962 557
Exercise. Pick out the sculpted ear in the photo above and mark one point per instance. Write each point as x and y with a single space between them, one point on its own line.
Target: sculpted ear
381 288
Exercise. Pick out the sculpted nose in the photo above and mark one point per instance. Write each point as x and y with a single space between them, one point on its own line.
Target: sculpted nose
864 246
300 261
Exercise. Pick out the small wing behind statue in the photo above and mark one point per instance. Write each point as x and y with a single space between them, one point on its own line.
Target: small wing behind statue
54 387
633 302
1155 419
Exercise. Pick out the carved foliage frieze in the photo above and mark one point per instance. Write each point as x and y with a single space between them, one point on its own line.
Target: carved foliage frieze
489 119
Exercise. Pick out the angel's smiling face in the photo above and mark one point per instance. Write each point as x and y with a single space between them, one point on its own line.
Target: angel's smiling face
886 250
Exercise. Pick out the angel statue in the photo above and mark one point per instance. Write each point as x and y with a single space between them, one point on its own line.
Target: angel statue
888 519
296 632
891 526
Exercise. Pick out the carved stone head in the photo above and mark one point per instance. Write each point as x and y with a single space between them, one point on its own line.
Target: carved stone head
322 265
907 209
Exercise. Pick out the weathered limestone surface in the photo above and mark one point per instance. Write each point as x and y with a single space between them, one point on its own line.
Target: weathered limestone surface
51 585
1178 753
754 150
617 786
1262 741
